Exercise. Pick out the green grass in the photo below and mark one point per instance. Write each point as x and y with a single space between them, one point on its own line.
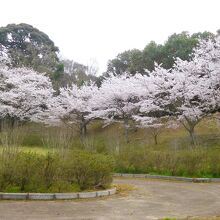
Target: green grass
36 149
32 149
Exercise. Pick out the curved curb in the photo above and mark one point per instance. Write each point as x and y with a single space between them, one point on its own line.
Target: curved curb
56 196
176 178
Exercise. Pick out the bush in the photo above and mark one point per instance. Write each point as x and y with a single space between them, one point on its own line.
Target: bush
190 163
73 171
89 169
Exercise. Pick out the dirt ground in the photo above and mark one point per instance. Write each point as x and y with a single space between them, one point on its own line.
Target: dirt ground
150 199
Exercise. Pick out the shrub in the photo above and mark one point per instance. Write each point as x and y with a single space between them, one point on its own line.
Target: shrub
89 169
73 171
191 163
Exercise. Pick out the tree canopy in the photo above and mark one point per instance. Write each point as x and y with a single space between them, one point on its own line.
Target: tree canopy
137 61
26 46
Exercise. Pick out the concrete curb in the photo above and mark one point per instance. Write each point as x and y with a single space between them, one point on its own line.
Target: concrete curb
56 196
175 178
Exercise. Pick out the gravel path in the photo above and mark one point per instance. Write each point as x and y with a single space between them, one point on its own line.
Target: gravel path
151 199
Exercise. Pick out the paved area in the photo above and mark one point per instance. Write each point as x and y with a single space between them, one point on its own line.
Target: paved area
151 199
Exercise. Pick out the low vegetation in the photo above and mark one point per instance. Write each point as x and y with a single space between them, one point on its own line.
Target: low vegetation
54 172
104 151
188 163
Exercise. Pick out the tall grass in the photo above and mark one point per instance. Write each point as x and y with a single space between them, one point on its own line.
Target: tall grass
189 163
171 156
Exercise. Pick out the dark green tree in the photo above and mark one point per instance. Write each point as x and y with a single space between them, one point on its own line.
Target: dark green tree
152 53
130 61
177 45
29 47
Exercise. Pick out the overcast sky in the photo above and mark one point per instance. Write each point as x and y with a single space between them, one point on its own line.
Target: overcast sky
100 29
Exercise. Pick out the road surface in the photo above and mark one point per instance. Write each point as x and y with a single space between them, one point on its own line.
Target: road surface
151 199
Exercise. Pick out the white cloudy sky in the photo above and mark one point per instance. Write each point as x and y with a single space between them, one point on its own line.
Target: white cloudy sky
100 29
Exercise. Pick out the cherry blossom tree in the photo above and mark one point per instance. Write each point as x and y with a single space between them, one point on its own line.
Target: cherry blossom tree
4 59
155 89
190 91
155 103
23 93
196 86
116 101
72 107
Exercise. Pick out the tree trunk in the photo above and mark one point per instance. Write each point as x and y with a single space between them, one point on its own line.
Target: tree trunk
192 136
155 139
83 130
126 131
126 136
190 127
